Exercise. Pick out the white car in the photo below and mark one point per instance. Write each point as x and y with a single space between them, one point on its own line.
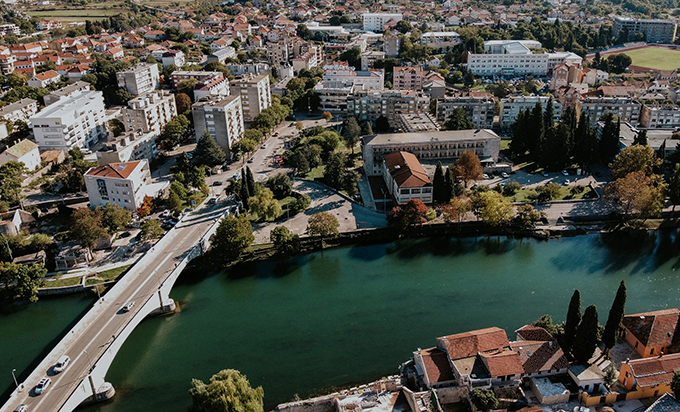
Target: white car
61 364
21 408
42 385
264 146
166 214
505 175
485 176
564 172
129 306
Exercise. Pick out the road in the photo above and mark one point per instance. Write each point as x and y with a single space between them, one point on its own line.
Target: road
142 282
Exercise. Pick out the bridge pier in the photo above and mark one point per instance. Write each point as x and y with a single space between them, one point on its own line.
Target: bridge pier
105 392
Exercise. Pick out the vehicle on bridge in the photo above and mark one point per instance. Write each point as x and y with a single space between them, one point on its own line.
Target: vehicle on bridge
21 408
42 385
129 306
61 364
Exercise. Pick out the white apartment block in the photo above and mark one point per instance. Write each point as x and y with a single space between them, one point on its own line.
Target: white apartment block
150 112
222 117
21 110
368 58
254 92
655 30
440 40
305 61
660 117
514 57
371 104
75 121
407 78
139 79
238 69
123 184
511 106
128 147
213 87
627 109
479 109
200 76
341 74
375 21
66 91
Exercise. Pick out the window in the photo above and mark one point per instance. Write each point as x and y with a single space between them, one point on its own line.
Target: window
101 187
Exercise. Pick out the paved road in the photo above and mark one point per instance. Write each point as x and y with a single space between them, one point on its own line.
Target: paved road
86 345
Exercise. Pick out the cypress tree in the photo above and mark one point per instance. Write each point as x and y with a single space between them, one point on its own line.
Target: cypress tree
641 138
535 130
438 184
616 313
250 181
449 185
585 340
573 320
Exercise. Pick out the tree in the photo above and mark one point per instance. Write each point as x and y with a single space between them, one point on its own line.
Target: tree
382 124
21 281
403 26
208 152
174 202
285 242
280 185
114 217
585 340
227 391
183 102
151 229
573 320
468 167
675 384
232 237
458 120
495 209
352 56
438 185
299 125
411 214
303 31
351 132
674 187
366 129
87 227
323 224
250 181
619 62
455 210
632 159
527 217
483 399
609 140
10 182
264 205
640 138
638 195
326 116
616 313
335 170
16 79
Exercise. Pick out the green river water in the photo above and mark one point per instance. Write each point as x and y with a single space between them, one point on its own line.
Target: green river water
350 315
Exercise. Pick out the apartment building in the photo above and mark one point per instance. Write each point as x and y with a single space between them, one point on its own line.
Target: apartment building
478 108
139 79
375 21
405 178
514 57
238 69
391 45
127 147
255 94
124 184
150 112
369 57
222 117
627 109
440 40
75 121
305 61
408 78
371 104
511 106
420 122
21 110
213 87
660 116
430 145
200 76
66 91
655 30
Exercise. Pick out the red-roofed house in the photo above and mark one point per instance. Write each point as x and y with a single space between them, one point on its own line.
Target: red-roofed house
406 179
649 377
43 79
651 333
119 183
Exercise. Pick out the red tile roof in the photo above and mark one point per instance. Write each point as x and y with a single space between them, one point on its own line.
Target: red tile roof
653 328
406 170
437 365
653 371
540 356
463 345
531 332
502 362
117 170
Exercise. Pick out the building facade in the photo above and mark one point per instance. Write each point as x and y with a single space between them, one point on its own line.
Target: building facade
369 105
139 79
127 147
407 78
479 109
222 117
511 106
660 116
21 110
375 21
255 94
405 178
655 30
119 183
627 109
150 112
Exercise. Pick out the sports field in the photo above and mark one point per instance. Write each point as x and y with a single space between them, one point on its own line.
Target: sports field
659 58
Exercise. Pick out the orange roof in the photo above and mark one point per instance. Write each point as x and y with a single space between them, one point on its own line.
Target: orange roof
503 362
463 345
406 170
653 371
115 170
436 365
653 328
50 74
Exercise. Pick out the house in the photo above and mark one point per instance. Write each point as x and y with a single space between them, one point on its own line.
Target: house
665 403
25 152
124 184
11 223
37 258
651 333
649 376
43 79
405 178
171 57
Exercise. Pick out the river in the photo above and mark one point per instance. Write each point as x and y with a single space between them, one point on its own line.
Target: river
349 315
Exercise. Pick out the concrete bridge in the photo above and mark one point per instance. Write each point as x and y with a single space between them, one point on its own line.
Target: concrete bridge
95 340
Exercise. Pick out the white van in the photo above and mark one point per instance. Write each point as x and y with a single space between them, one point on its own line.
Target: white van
61 364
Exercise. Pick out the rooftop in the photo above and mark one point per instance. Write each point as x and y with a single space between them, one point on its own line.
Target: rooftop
406 170
463 345
653 328
431 136
115 170
20 149
65 107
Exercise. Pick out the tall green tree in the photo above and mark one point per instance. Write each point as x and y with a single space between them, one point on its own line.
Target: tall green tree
351 132
439 185
616 313
585 340
87 227
585 139
458 120
674 186
114 217
449 184
535 130
484 399
609 141
634 159
208 152
232 237
250 181
285 242
226 391
573 320
640 138
21 281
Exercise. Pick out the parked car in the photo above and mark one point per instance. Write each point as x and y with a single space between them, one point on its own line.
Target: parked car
264 146
544 173
21 408
212 201
566 182
250 160
237 176
504 175
42 385
128 306
166 214
61 364
125 234
564 172
217 183
485 176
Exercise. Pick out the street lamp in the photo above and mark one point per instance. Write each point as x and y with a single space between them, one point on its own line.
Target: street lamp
15 378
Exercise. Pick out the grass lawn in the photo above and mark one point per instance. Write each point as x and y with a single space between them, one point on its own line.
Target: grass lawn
76 14
63 282
315 173
107 275
505 144
655 58
525 194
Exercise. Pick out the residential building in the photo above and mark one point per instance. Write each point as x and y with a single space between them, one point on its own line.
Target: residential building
434 85
21 110
213 87
25 152
341 74
649 376
150 112
660 116
371 104
139 79
626 108
368 58
124 184
255 94
46 25
651 333
405 178
430 146
514 57
440 40
173 57
129 146
44 79
66 91
222 117
222 55
238 69
420 122
391 45
305 61
279 53
655 30
376 21
511 106
75 121
12 28
407 78
478 108
200 76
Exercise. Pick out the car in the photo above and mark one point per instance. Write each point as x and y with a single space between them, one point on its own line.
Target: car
21 408
544 173
504 175
250 160
237 176
217 183
125 234
485 176
276 134
128 307
42 385
212 201
61 364
564 172
264 146
566 182
166 214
